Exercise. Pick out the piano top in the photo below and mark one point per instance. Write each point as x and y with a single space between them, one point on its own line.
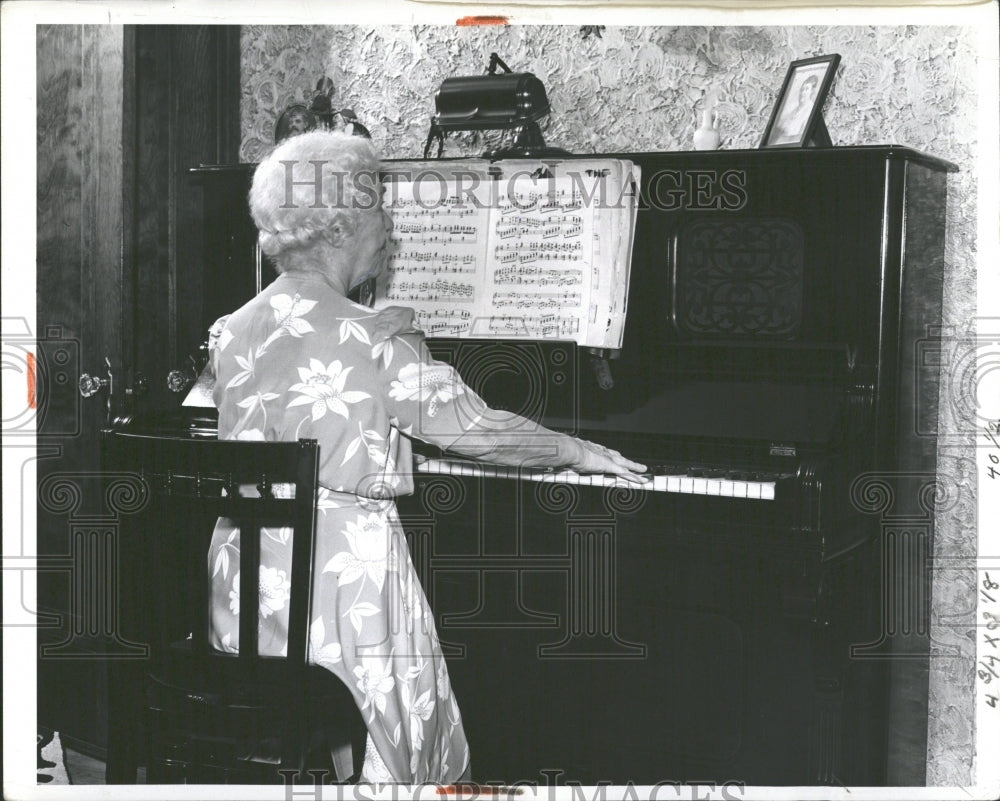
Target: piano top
886 151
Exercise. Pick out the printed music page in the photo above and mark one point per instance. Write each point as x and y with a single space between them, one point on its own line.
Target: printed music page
513 249
437 264
608 190
539 261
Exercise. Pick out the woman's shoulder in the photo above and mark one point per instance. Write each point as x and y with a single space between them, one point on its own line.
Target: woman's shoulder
373 331
301 308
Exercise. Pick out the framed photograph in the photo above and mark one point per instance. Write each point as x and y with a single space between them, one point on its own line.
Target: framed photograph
797 117
294 120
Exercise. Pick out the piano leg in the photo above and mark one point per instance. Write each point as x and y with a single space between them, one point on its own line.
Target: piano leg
826 729
849 691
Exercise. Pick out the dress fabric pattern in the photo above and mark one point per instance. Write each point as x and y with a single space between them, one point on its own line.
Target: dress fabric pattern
301 361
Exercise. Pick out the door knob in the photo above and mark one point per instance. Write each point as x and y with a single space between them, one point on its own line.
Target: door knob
178 380
90 385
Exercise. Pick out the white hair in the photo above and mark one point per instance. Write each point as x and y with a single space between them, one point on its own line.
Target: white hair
313 185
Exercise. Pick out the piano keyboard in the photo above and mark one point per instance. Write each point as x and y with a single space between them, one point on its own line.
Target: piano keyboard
682 484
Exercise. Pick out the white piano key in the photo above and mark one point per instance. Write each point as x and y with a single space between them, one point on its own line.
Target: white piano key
767 491
658 484
673 483
713 487
699 486
739 489
726 489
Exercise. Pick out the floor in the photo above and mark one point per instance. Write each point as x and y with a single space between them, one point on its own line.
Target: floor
83 769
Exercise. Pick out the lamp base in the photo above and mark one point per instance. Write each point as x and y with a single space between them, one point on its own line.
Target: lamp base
525 153
528 144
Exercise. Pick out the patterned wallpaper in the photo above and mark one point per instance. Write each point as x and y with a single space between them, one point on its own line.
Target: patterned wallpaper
638 89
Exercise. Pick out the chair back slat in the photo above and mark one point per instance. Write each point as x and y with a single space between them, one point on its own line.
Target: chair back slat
249 584
302 573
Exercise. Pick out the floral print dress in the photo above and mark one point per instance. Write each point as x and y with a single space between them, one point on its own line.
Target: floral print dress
302 361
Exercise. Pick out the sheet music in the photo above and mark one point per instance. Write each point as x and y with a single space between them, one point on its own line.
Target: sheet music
539 261
436 265
514 249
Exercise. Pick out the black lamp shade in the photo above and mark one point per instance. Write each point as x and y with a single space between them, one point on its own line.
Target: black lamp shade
481 102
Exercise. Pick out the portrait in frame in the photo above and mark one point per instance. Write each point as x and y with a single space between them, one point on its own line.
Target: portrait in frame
797 120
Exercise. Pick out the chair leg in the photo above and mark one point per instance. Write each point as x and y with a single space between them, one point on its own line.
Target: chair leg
124 700
293 741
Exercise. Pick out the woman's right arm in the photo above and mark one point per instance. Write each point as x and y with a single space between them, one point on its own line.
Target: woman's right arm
430 401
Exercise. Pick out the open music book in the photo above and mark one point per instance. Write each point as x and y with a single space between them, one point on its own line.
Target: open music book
517 248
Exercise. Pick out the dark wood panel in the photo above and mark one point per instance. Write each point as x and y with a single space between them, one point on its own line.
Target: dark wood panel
187 113
153 274
79 228
79 237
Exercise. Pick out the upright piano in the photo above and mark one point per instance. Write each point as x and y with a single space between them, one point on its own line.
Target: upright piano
726 621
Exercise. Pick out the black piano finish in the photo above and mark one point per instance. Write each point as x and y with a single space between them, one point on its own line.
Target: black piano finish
777 305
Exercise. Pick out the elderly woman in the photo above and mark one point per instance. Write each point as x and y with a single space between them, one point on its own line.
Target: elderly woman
301 360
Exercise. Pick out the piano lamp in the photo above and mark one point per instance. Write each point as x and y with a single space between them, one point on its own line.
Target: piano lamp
513 101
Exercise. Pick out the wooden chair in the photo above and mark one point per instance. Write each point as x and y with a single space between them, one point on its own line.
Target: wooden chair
189 712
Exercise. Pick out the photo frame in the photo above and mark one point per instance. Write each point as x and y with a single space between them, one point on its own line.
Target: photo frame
295 119
797 118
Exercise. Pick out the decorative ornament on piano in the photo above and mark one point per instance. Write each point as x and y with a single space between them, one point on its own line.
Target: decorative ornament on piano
740 278
706 136
298 118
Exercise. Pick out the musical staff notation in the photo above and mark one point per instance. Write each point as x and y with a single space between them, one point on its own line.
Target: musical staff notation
524 255
435 263
531 325
536 300
535 276
431 290
443 321
434 232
